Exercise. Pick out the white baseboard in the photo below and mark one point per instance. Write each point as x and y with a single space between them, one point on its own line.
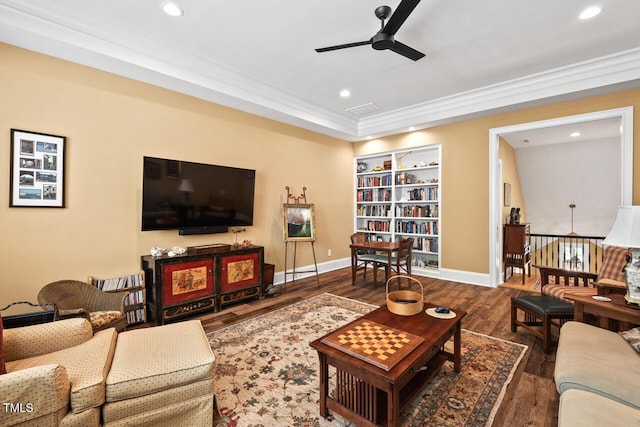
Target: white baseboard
480 279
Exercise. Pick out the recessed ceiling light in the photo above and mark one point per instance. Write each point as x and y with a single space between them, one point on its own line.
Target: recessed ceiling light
412 128
345 93
574 134
172 9
369 137
590 12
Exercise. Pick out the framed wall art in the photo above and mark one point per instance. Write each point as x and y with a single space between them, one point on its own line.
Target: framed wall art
507 194
37 177
299 223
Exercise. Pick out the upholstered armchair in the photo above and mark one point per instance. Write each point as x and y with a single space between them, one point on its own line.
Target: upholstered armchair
74 298
56 373
610 279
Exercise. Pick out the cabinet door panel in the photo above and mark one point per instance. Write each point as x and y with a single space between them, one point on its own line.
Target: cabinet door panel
240 271
186 281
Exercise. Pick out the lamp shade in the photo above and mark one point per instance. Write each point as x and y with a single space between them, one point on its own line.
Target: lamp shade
625 232
185 185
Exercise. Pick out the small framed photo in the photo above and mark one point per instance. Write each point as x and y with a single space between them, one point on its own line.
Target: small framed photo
173 169
507 194
299 223
37 177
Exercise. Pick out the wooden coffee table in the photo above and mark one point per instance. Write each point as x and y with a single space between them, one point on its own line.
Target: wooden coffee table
370 395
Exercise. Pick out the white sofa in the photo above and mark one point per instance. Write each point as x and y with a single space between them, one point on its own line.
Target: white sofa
597 374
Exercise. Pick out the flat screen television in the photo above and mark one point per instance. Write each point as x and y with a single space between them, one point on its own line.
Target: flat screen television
195 198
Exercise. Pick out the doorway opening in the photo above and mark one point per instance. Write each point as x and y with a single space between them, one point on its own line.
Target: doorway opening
625 115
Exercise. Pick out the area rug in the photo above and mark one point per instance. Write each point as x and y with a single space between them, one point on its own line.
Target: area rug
267 374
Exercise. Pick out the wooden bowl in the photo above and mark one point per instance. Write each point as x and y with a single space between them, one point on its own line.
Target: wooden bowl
405 302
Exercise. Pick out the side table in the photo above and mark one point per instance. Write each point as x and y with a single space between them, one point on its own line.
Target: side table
614 315
30 314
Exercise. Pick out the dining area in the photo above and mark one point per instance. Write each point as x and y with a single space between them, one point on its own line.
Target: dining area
394 257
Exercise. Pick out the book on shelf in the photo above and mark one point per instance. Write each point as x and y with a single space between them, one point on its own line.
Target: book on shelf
117 283
374 181
413 227
378 226
374 195
374 210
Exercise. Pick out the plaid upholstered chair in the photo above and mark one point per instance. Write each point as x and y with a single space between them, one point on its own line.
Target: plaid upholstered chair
558 282
74 298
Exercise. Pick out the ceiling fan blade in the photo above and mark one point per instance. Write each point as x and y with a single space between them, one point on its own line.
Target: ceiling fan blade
400 15
406 51
343 46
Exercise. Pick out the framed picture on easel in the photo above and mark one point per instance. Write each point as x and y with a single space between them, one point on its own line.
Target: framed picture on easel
299 223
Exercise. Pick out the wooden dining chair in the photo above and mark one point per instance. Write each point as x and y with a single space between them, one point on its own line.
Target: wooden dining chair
362 258
400 261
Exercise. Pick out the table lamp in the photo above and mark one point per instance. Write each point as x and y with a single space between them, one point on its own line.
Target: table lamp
625 233
186 187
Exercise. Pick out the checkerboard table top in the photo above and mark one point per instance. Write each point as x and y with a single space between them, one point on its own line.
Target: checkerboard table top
372 342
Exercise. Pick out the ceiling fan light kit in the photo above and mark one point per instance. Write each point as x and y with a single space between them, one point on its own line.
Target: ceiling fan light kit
384 39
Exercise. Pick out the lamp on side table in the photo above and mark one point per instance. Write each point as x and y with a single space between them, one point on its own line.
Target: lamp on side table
625 233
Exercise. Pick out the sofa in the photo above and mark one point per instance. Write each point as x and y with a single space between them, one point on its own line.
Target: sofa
597 373
63 374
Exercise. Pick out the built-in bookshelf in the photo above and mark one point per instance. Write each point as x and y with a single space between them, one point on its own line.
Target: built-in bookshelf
135 302
398 195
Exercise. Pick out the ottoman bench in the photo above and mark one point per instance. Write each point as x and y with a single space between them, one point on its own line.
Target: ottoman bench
161 376
540 310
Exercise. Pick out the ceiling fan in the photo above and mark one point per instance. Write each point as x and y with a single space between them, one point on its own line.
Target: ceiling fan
384 39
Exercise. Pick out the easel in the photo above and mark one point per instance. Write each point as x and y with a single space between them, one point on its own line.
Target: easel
296 201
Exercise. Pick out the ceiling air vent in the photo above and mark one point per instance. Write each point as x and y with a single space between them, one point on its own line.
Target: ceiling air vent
363 109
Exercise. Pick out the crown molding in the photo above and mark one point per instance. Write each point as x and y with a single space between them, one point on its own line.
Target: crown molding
211 82
201 79
576 78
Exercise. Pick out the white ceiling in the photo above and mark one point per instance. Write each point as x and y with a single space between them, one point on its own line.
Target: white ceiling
584 173
587 131
258 56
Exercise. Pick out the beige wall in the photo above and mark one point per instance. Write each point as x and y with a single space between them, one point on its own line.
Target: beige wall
510 175
110 123
465 172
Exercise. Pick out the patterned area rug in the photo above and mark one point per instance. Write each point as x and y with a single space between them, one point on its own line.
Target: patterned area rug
267 374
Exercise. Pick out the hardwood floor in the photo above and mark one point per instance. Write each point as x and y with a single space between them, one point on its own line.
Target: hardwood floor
531 398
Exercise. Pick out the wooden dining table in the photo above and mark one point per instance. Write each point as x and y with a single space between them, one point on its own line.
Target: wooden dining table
388 248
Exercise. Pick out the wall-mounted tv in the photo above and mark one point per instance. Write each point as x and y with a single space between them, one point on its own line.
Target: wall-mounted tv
195 198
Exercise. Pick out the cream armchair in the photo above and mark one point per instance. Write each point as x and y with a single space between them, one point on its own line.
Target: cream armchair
56 373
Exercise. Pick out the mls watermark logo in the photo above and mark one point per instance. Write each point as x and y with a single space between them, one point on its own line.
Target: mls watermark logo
17 408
